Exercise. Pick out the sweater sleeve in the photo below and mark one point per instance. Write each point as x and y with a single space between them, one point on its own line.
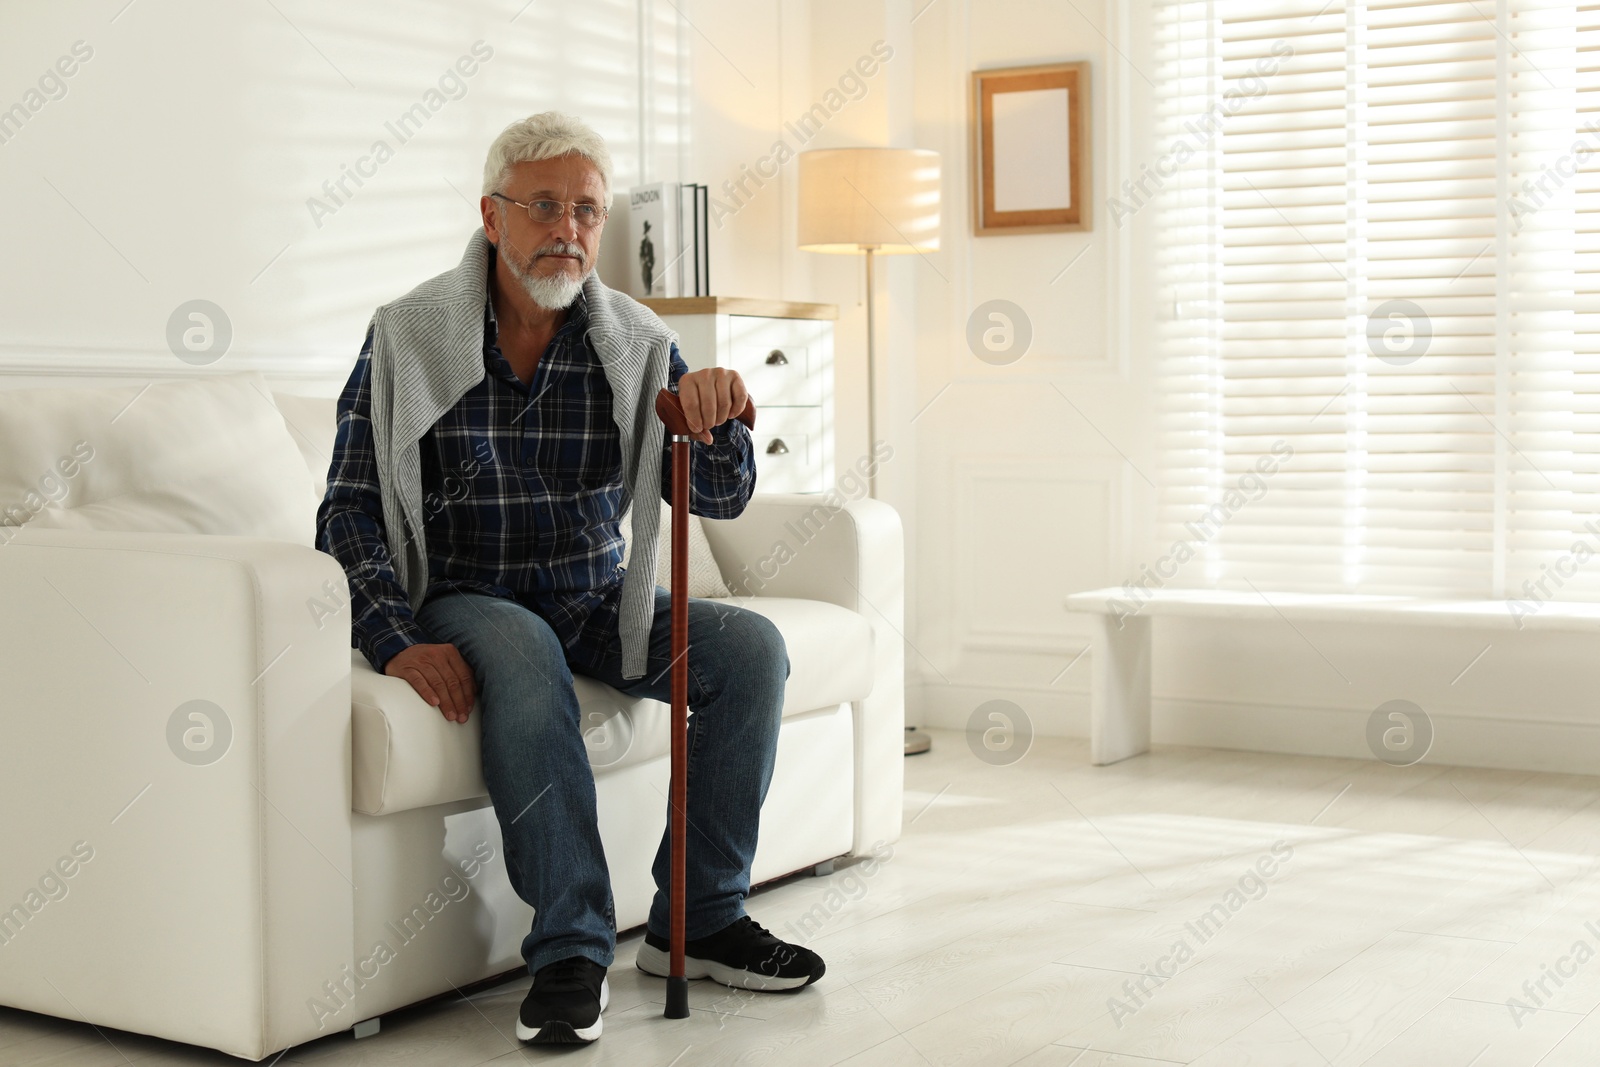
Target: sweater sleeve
350 528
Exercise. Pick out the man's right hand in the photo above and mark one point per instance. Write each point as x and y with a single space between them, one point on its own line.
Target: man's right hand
439 675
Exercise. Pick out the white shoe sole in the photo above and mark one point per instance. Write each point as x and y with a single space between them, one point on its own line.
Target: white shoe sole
560 1033
657 962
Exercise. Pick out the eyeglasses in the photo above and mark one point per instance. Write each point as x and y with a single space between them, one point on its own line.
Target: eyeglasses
547 212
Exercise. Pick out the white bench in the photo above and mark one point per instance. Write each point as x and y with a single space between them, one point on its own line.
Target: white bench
1119 684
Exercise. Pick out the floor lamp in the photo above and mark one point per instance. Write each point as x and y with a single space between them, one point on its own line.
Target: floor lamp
872 202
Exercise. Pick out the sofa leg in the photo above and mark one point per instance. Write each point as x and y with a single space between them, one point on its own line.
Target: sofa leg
366 1027
823 869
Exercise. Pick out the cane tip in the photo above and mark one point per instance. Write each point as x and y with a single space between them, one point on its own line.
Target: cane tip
677 998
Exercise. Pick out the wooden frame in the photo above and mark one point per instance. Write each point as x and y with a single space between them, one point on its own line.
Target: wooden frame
1077 213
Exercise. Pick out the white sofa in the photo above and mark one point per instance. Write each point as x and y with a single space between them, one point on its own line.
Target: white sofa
318 847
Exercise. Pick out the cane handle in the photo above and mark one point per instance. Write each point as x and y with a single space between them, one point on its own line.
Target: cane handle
669 408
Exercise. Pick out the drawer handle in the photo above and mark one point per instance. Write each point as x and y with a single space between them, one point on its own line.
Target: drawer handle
776 358
777 447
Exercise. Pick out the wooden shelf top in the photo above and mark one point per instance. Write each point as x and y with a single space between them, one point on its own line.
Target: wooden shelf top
739 305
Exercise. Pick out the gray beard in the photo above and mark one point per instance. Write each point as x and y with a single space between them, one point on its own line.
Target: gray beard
551 293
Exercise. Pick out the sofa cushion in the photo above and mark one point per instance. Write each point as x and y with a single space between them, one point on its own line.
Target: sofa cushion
313 422
406 755
705 579
830 649
206 456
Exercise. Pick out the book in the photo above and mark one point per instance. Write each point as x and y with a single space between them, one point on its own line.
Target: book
653 240
689 227
669 240
703 244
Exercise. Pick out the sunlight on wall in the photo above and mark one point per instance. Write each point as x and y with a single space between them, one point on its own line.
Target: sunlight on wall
294 163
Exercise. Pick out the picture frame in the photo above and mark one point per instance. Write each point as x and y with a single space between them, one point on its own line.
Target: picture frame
1030 149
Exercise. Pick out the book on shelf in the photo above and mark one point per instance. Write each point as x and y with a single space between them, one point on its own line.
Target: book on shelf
668 240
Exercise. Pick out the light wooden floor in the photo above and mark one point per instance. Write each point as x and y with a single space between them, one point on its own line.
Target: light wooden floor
1407 907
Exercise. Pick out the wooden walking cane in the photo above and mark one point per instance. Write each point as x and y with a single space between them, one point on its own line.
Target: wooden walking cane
669 408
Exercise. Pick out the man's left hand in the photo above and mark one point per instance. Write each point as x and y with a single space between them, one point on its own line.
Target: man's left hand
710 398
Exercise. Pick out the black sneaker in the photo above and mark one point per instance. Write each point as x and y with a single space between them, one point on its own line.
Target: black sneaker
564 1005
742 954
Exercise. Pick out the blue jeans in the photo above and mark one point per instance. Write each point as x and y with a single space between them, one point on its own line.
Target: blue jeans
537 769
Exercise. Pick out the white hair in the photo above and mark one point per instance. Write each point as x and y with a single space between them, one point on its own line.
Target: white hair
546 135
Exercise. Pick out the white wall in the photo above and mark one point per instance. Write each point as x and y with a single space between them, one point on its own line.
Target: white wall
1023 496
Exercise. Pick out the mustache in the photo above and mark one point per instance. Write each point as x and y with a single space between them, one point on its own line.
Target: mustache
559 247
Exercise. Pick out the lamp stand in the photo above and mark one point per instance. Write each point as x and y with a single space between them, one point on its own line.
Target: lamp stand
917 742
872 375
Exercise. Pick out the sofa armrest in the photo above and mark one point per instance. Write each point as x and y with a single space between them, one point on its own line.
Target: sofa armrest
210 896
851 554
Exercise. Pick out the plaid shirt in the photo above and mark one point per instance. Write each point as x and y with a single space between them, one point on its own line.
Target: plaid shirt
522 496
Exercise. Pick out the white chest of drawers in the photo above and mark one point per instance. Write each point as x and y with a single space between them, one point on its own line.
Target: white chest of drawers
784 353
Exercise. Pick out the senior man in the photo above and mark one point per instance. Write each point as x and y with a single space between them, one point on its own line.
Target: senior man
499 420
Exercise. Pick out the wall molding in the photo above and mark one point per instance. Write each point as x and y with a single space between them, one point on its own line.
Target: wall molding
1463 737
964 474
1116 151
1025 642
62 366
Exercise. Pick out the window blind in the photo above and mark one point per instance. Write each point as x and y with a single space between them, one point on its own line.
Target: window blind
1378 234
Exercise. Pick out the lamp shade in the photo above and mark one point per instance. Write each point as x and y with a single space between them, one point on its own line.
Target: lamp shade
885 199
